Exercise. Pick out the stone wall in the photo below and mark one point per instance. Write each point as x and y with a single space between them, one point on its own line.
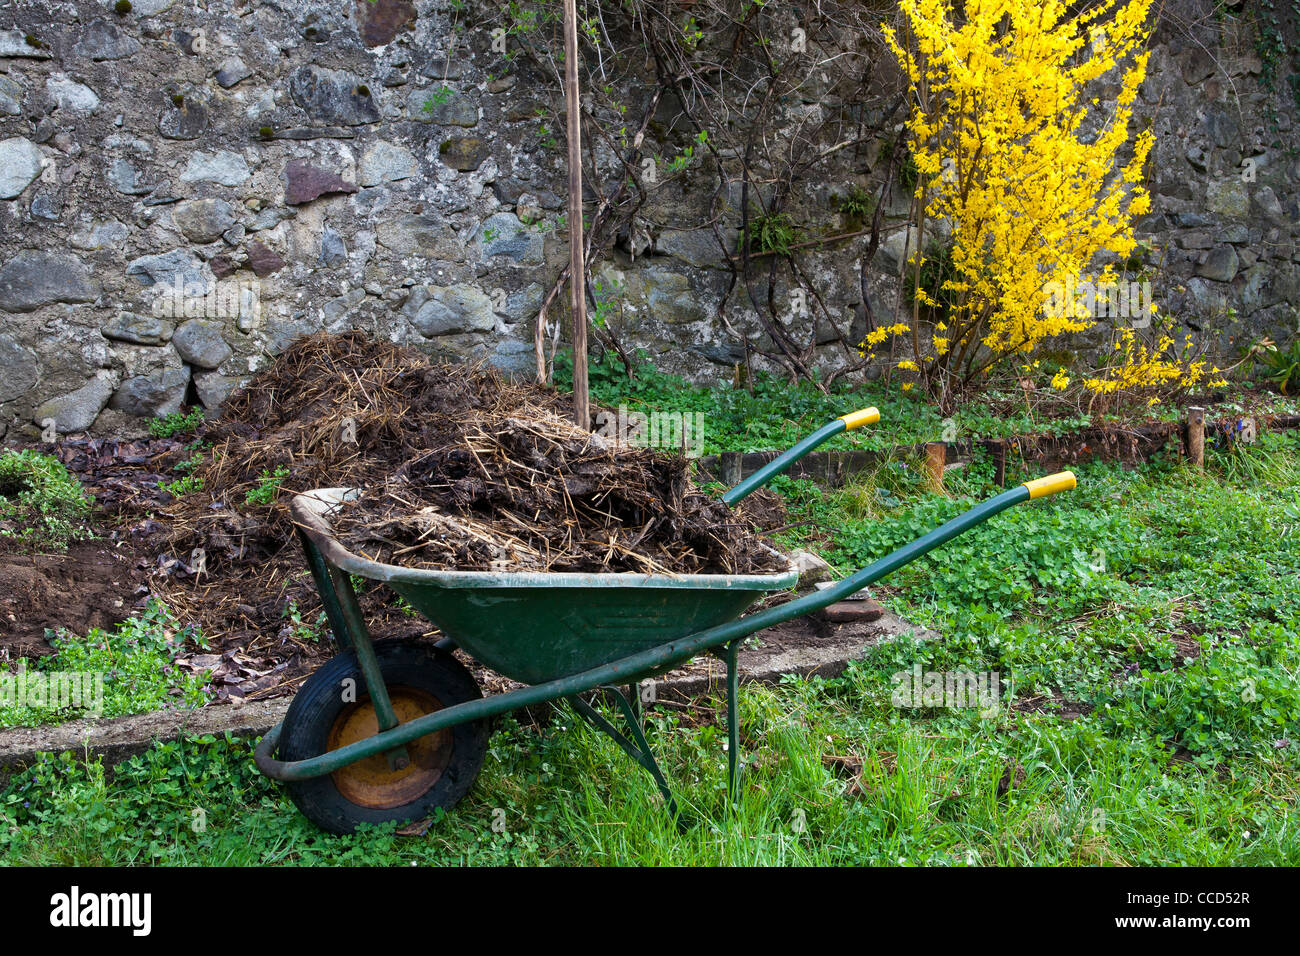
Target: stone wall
187 188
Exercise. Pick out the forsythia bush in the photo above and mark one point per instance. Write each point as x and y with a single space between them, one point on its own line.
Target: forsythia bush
1019 166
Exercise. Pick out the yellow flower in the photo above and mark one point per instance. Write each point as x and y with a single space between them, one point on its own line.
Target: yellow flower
1060 381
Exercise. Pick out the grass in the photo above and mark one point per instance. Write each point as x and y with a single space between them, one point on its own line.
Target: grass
41 503
128 670
777 413
1160 602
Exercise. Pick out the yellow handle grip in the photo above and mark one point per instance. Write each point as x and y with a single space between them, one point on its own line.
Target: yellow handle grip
1042 487
865 416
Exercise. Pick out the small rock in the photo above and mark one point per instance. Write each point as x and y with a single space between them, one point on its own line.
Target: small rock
504 235
304 182
183 118
811 568
11 97
150 396
179 269
14 43
137 329
17 368
844 612
125 178
223 167
212 388
200 342
333 96
21 161
99 235
385 163
443 106
104 41
1219 264
204 220
263 260
232 71
381 20
76 411
33 279
70 96
333 251
441 310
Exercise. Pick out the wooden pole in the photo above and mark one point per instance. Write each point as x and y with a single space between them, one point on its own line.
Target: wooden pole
1196 436
998 448
577 267
936 457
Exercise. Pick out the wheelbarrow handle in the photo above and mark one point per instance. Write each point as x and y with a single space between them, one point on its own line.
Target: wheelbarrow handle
865 416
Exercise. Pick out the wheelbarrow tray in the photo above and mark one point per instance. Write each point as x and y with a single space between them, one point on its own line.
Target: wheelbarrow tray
535 627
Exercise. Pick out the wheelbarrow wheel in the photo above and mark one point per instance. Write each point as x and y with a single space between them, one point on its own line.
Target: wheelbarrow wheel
333 709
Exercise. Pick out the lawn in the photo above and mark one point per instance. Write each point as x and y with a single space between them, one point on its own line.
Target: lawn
1145 630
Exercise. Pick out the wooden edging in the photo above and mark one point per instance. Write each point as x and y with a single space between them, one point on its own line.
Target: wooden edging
1139 442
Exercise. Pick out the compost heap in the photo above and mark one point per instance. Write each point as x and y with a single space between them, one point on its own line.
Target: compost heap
459 470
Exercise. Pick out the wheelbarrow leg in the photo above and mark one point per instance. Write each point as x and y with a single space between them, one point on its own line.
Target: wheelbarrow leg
638 749
733 718
349 626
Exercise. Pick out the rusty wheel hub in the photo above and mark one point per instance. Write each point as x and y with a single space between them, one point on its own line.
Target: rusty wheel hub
371 782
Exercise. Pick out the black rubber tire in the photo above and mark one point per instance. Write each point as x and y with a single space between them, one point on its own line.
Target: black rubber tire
319 704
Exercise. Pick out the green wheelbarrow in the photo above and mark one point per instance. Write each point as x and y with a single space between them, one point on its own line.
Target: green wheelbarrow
392 730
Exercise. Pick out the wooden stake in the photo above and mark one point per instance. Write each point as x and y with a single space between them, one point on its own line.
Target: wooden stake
936 456
1196 436
577 267
998 448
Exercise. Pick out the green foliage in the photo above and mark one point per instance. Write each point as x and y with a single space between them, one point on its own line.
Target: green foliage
136 662
1281 367
41 503
268 486
857 203
774 232
176 424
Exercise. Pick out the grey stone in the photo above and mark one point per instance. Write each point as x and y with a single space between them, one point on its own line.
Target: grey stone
1220 264
514 358
333 96
232 71
433 105
11 96
71 96
183 120
891 251
1222 130
385 163
464 153
213 388
177 269
104 41
47 206
699 247
440 310
282 333
670 297
76 411
419 234
200 342
204 220
125 178
137 329
32 279
1269 204
21 162
13 43
17 369
223 167
156 394
333 250
99 235
504 235
1228 197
